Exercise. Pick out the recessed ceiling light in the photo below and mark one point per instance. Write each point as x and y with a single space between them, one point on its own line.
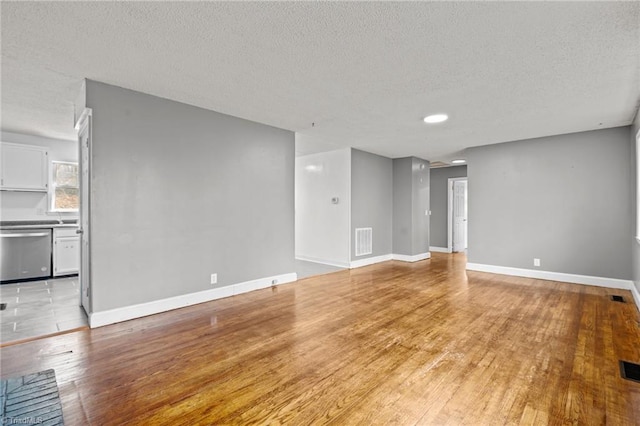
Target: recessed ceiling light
436 118
459 161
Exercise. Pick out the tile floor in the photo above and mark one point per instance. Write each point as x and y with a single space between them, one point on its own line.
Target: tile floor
38 308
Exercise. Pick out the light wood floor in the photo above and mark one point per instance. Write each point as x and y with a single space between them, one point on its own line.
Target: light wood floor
394 343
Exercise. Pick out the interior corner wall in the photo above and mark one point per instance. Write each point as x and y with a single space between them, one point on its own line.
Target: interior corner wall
563 199
420 184
635 244
322 223
179 193
371 200
402 201
440 201
410 205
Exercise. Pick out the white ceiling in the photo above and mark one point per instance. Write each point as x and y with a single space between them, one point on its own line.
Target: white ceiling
364 72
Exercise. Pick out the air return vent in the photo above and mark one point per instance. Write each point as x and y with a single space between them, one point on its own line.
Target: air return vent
616 298
364 241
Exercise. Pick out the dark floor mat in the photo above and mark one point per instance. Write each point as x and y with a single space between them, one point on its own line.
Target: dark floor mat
31 399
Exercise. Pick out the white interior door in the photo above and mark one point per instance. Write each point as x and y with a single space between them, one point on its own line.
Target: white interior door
459 215
84 136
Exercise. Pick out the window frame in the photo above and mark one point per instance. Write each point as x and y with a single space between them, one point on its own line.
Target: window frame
53 186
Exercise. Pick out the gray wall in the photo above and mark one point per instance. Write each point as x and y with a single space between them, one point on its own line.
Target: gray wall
439 202
402 201
180 192
371 200
635 245
563 199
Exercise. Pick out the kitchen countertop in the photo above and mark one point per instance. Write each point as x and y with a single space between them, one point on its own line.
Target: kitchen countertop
38 224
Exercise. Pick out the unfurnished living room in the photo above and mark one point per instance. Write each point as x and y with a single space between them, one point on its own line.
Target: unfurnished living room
320 212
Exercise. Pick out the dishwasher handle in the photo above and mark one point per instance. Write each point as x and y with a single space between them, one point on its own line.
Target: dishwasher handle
35 234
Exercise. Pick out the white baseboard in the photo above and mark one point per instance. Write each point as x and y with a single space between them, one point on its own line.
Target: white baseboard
414 258
636 295
112 316
439 249
553 276
324 261
370 261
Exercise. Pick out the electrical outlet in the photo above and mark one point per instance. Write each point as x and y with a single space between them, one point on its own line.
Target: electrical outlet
536 262
214 278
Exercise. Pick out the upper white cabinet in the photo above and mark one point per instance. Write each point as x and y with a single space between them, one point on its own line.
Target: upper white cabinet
24 167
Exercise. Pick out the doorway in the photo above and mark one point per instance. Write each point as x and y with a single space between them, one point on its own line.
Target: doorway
84 137
457 223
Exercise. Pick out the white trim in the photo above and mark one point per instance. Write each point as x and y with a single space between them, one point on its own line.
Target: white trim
87 112
323 261
370 261
636 295
112 316
439 249
414 258
553 276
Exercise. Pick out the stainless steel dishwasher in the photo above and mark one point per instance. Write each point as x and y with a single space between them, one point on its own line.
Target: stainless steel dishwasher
26 254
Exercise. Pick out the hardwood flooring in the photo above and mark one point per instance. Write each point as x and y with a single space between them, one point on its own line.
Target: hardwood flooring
393 343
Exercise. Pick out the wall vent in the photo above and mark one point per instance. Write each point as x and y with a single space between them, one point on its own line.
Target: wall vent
364 241
630 371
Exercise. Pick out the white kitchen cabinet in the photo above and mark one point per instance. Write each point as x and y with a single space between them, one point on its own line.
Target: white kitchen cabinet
24 167
66 251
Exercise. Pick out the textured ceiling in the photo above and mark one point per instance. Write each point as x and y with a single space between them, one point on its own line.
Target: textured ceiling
364 72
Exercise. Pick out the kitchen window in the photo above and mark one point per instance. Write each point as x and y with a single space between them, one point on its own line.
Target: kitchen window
65 188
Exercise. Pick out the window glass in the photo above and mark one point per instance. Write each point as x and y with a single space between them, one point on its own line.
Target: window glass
65 195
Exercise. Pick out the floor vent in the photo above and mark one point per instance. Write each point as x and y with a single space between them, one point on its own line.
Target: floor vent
618 299
364 241
3 306
630 371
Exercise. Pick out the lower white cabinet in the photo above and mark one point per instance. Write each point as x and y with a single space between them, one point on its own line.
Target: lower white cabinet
66 251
